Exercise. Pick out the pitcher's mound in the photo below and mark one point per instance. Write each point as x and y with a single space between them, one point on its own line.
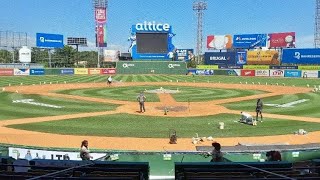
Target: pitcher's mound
173 108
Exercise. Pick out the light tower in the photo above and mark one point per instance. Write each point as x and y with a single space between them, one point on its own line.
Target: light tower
100 13
317 25
199 6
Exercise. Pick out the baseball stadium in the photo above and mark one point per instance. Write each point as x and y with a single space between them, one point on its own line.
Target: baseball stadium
245 106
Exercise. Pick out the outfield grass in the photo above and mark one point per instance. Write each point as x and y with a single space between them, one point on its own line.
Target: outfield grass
29 80
191 94
309 108
10 110
124 125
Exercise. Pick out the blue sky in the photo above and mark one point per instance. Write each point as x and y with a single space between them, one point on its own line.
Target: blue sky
76 18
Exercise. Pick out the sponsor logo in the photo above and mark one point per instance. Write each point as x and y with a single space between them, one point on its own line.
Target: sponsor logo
246 38
298 56
219 58
152 26
247 73
43 40
277 73
173 65
262 72
127 65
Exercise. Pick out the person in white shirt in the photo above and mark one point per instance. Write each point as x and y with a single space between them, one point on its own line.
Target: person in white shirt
109 80
171 55
84 151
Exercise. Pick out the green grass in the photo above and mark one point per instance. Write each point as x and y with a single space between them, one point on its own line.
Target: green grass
308 109
10 110
124 125
192 94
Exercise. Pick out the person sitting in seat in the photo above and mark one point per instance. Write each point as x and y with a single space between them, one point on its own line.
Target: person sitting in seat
216 153
273 156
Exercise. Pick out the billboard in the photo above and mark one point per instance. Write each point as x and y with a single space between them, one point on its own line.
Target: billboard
263 57
247 72
292 73
234 72
241 57
184 54
301 56
94 71
277 73
66 71
101 15
283 67
108 71
219 42
249 41
282 40
204 72
21 72
6 72
37 72
81 71
49 40
310 74
263 73
101 35
111 55
218 58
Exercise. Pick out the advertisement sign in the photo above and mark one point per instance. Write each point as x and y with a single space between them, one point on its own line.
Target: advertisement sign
108 71
101 35
263 73
263 57
21 72
283 67
207 67
255 67
217 58
310 74
277 73
6 72
309 67
36 71
204 72
18 153
66 71
241 57
224 66
100 15
301 56
81 71
111 55
282 40
248 73
94 71
249 41
292 73
184 54
49 40
234 72
219 42
221 72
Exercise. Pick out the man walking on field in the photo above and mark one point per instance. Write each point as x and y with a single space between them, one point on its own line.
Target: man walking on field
141 99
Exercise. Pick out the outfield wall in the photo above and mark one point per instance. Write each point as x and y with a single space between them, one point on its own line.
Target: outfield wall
158 67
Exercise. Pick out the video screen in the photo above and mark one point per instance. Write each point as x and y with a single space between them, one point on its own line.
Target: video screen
152 43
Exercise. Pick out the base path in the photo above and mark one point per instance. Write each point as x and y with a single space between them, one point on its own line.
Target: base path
32 138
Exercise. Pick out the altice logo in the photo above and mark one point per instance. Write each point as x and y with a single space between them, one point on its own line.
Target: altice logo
152 26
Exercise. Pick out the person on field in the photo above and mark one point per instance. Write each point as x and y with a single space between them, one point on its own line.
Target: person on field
259 108
84 151
109 80
141 99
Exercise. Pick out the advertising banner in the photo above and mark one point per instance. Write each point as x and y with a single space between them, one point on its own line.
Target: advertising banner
100 15
234 72
249 41
309 67
52 71
219 42
301 56
204 72
37 72
248 72
6 72
310 74
263 57
241 57
101 35
292 73
49 40
282 40
207 67
81 71
21 72
283 67
111 55
184 54
66 71
216 58
94 71
221 72
224 66
18 153
108 71
255 67
277 73
263 73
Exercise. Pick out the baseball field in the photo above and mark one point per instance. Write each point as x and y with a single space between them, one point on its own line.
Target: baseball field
61 111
